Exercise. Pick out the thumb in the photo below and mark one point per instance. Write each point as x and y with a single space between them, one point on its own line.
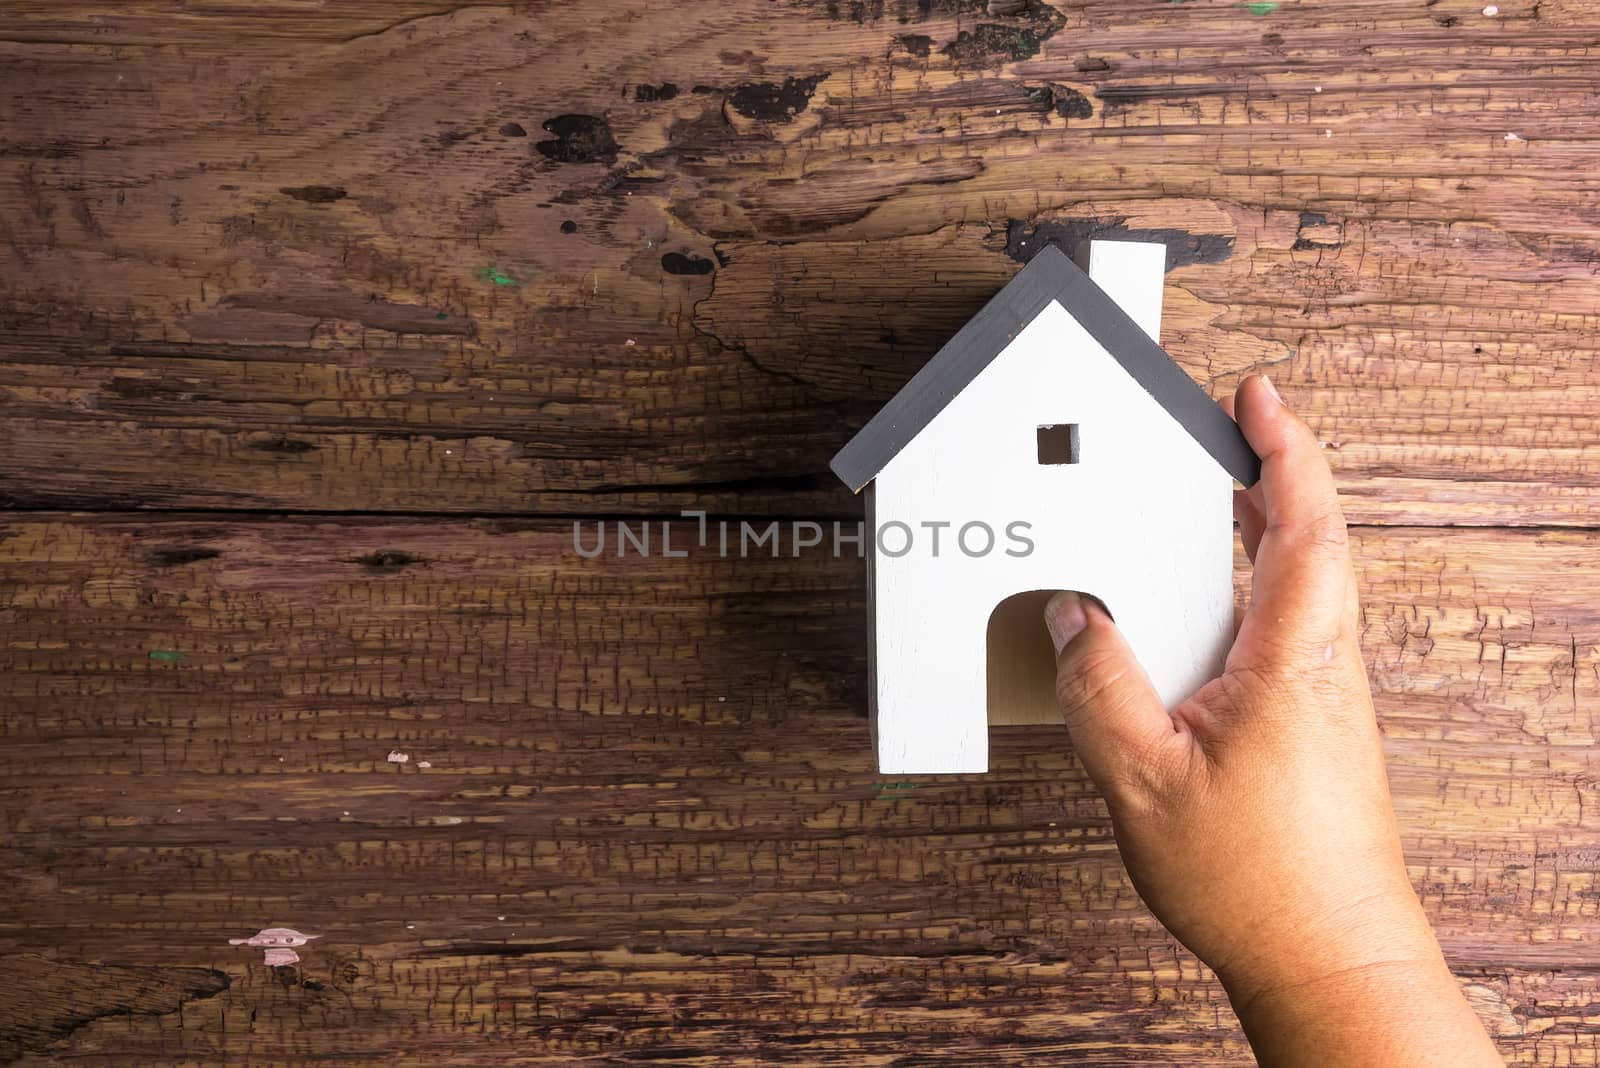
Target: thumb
1128 744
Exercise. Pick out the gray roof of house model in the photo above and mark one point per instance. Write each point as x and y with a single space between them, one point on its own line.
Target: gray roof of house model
1049 276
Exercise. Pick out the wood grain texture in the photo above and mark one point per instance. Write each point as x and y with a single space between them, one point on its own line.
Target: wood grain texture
638 822
572 258
506 263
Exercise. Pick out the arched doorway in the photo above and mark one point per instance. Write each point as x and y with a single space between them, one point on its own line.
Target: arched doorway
1020 662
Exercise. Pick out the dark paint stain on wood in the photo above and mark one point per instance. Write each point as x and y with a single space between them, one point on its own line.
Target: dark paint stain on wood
63 996
513 129
679 263
649 94
990 42
1062 100
912 11
178 555
282 445
386 560
315 194
1183 248
772 102
578 139
569 227
1069 103
916 44
1315 231
995 43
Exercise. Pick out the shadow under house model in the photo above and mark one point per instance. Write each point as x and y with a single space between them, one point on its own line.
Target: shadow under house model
1054 407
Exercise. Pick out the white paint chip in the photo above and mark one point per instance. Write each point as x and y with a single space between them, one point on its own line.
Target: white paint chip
424 764
1512 137
278 944
397 757
1491 11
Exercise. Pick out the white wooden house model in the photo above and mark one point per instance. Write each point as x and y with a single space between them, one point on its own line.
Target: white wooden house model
1050 445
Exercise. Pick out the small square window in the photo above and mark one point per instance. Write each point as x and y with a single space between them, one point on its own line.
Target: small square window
1058 444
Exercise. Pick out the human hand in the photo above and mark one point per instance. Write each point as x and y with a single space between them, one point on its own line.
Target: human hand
1254 819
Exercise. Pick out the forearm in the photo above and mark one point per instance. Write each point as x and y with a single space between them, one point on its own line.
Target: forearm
1405 1010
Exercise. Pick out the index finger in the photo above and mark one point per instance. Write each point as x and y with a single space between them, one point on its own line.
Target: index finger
1300 592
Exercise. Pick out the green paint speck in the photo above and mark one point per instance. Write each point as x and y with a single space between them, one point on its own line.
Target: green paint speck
442 315
893 790
1262 7
496 275
166 656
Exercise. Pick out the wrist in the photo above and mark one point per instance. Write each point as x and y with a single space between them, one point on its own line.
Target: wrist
1383 937
1402 1011
1376 992
1379 983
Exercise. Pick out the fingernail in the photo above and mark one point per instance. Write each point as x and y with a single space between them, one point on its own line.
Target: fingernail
1272 389
1064 618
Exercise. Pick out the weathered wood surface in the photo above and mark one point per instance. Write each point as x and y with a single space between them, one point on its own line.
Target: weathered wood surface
550 259
295 255
638 819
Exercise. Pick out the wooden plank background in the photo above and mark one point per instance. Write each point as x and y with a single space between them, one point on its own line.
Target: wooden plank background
320 325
